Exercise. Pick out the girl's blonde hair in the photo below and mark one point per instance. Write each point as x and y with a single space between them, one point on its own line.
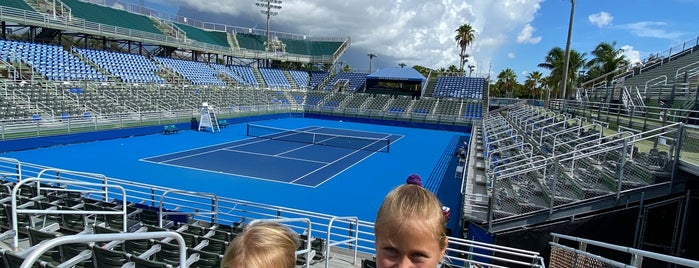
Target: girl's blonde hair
262 245
411 206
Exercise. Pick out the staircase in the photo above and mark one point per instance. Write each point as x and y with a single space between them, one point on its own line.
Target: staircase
290 78
258 77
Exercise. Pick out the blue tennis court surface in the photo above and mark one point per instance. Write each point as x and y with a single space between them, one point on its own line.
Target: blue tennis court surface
355 185
308 156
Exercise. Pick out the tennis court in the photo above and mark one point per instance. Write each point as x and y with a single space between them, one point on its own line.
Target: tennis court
307 156
356 189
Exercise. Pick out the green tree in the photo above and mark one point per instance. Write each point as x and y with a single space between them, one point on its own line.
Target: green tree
464 38
554 62
533 83
606 60
507 79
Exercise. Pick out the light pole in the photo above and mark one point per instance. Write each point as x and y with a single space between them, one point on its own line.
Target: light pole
267 7
371 57
564 78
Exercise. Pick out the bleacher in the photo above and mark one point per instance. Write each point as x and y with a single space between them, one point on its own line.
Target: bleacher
314 98
354 81
197 73
121 65
274 78
451 107
377 103
210 37
473 111
520 141
251 41
111 16
334 101
423 106
317 78
399 105
311 48
246 73
52 62
20 4
300 78
354 104
229 72
459 87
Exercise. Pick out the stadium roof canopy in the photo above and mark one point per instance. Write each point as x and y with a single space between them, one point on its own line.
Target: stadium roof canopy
395 73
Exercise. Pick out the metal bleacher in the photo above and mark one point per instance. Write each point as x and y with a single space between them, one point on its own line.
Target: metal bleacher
274 78
121 65
459 87
210 37
520 143
197 73
110 16
51 61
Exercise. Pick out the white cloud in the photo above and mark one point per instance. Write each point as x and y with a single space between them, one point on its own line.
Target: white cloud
654 29
511 55
413 31
601 19
525 36
634 56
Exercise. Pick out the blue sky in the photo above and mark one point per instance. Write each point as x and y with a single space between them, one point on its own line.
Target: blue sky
514 34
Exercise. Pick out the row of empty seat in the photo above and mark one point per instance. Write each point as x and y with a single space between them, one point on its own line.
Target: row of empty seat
459 87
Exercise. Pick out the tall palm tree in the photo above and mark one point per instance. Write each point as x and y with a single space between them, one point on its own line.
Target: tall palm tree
607 59
507 78
533 82
554 62
464 37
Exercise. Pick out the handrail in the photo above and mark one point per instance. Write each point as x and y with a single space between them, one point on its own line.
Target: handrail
162 213
664 80
637 254
38 180
83 238
18 165
536 259
355 239
309 230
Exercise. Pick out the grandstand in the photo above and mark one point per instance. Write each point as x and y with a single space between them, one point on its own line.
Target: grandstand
622 154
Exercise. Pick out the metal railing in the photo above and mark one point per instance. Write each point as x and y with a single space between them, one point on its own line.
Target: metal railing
564 254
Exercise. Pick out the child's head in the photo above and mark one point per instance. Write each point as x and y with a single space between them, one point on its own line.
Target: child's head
410 229
262 245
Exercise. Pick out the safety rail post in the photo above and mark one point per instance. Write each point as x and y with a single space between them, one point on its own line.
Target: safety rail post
355 239
214 201
18 168
38 180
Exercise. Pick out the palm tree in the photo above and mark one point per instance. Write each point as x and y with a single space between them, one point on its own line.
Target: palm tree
533 82
607 59
554 62
452 69
464 37
507 79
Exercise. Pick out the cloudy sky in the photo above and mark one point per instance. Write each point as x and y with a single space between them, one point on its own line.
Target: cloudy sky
514 34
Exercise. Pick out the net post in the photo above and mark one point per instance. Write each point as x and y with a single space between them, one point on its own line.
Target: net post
247 130
388 145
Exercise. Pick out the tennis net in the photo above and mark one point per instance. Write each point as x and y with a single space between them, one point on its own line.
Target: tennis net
334 140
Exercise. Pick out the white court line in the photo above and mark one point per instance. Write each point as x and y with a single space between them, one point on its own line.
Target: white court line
348 167
233 174
277 156
252 140
355 151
